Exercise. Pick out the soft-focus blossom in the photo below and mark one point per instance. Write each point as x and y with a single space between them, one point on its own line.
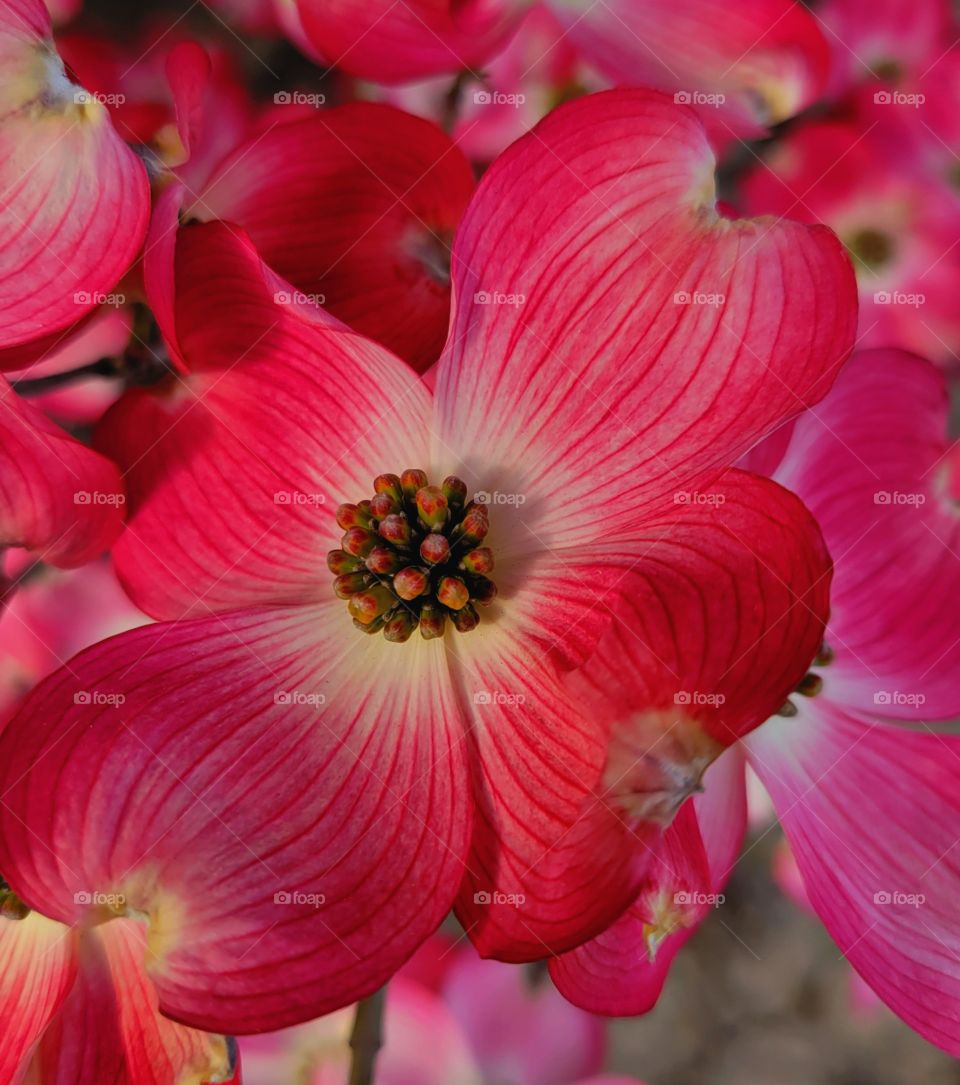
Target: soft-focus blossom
373 784
75 199
865 789
484 1023
900 229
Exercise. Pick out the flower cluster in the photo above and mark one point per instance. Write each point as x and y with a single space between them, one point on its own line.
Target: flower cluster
446 326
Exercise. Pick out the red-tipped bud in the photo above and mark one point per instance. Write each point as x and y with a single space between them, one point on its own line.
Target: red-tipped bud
382 560
484 591
475 524
411 582
382 505
354 515
465 619
350 583
412 480
478 561
434 549
395 529
432 506
454 490
359 542
339 562
400 625
371 627
432 621
453 593
388 484
367 606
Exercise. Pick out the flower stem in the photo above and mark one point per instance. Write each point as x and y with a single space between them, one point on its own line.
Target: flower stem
366 1039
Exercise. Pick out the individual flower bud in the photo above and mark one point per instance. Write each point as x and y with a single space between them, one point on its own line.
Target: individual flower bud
382 505
478 561
358 541
396 529
432 621
465 619
483 591
354 515
339 562
388 484
411 582
455 491
383 560
435 549
349 584
432 506
412 480
453 593
400 625
367 606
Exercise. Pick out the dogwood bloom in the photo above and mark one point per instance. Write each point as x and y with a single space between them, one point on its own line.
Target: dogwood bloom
364 722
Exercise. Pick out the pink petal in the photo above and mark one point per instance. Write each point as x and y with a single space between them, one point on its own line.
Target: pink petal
357 207
873 817
584 272
751 64
58 498
37 968
235 471
109 1028
521 1030
281 800
623 970
395 43
76 198
872 464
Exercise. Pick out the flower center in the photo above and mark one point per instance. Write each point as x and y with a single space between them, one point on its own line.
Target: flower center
872 247
412 557
811 683
11 906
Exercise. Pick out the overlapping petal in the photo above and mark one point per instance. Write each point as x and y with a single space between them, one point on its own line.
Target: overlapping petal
356 206
233 783
871 812
395 43
58 498
751 64
873 465
235 470
609 324
75 197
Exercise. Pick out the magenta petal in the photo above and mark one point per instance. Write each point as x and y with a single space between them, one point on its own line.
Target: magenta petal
76 197
257 789
607 322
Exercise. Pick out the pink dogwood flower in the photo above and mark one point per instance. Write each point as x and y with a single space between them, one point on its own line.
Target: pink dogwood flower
865 790
75 201
321 778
